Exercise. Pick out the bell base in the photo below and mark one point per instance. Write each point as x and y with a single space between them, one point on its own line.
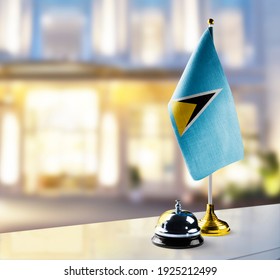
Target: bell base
177 243
210 225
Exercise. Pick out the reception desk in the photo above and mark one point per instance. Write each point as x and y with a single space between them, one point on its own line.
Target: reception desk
255 234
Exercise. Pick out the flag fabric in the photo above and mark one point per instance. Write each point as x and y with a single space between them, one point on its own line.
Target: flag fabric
203 114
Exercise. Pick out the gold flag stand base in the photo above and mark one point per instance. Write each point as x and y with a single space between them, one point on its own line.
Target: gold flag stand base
210 225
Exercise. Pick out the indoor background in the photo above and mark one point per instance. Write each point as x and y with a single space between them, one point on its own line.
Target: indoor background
85 134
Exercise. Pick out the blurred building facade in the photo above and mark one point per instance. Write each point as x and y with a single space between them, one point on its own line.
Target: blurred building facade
85 85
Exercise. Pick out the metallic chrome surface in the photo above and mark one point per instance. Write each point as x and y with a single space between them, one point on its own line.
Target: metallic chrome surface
177 228
177 243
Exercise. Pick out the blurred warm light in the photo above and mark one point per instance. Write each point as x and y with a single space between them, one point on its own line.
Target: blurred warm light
61 135
122 28
108 26
109 171
148 36
38 99
13 27
248 118
9 168
230 37
69 108
185 25
26 28
190 182
150 123
77 130
272 185
10 39
177 27
149 33
247 175
150 145
191 24
254 161
149 160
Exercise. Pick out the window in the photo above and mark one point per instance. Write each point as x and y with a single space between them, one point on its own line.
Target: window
109 165
62 35
151 146
238 38
61 139
10 143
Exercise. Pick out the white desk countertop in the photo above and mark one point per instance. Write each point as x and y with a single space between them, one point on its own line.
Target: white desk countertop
255 234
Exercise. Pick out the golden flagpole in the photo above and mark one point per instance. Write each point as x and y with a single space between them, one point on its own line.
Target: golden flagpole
210 225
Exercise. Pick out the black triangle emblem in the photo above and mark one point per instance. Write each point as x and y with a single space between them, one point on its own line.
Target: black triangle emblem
200 102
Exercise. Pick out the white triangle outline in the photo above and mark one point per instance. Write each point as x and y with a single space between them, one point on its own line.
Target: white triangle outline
217 91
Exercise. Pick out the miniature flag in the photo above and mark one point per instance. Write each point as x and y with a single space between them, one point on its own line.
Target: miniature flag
203 114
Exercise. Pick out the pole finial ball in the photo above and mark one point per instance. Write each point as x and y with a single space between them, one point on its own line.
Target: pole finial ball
211 21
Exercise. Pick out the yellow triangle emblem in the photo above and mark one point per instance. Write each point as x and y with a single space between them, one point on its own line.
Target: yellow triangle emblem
182 113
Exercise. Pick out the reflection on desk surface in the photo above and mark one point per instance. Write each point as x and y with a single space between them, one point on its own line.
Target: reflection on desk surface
255 235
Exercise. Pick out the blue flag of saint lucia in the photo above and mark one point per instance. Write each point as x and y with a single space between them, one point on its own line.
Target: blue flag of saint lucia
203 114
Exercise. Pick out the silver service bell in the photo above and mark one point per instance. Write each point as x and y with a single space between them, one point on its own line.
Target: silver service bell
177 229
